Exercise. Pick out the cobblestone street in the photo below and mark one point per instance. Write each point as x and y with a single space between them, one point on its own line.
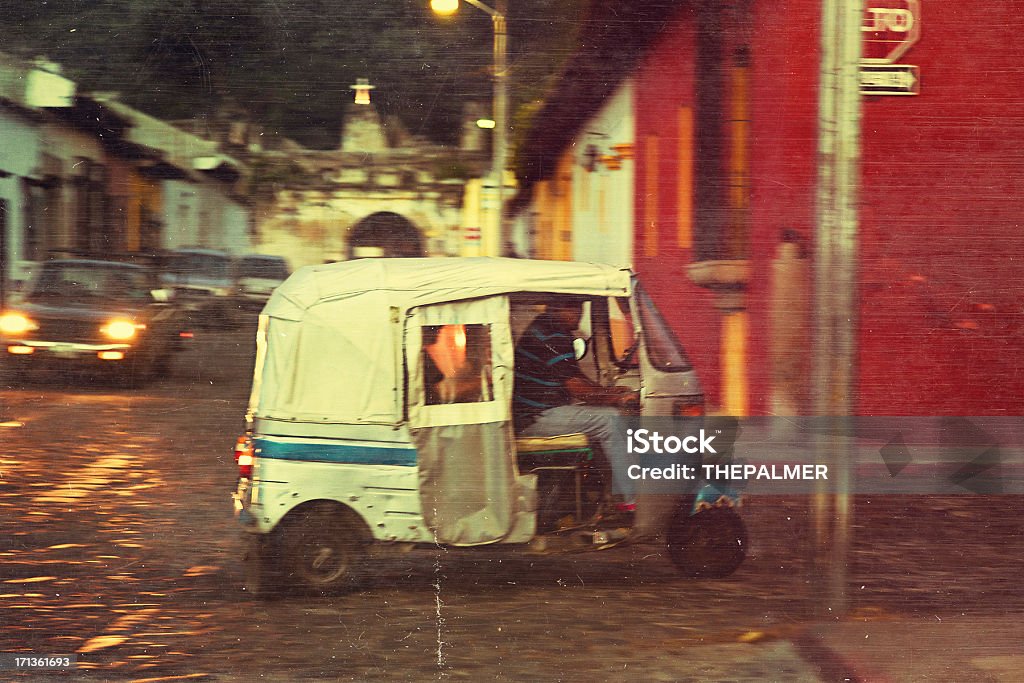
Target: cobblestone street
117 542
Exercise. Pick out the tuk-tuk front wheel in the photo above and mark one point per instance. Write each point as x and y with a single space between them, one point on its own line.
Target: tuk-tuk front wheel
322 549
710 544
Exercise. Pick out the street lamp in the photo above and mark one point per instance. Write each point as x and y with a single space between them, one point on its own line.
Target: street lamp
500 104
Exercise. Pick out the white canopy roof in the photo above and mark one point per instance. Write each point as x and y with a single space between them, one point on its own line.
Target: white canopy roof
418 281
329 350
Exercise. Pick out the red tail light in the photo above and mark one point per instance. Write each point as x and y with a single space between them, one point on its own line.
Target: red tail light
681 409
245 456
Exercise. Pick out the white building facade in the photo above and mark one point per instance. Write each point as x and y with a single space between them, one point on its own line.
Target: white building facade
602 183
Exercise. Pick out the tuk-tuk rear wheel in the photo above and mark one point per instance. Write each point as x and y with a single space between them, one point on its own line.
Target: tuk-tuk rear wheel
321 550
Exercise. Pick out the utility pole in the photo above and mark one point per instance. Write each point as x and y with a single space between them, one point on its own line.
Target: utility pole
3 250
835 291
500 114
499 160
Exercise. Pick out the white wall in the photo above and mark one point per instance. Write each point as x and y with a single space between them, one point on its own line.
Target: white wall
199 214
309 228
19 156
180 214
235 222
69 147
603 198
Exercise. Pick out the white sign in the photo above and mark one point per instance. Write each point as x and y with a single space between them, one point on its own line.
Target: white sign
889 79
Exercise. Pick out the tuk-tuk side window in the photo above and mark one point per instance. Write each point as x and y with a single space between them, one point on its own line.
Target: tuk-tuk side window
457 364
664 350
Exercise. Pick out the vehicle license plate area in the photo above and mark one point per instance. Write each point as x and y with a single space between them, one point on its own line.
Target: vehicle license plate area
64 351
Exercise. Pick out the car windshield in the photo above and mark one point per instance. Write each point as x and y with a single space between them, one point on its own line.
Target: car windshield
266 268
86 282
211 266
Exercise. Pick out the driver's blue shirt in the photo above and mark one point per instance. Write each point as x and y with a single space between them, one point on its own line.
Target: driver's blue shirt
545 360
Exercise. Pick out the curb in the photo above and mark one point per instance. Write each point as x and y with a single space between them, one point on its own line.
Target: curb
832 666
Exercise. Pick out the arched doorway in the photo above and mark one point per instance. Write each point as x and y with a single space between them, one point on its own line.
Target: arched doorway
384 234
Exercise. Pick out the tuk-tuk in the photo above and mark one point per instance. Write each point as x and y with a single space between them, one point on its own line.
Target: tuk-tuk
358 437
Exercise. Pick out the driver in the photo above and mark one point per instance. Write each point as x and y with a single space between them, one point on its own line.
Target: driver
552 396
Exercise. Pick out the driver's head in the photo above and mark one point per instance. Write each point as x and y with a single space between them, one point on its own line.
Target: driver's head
567 310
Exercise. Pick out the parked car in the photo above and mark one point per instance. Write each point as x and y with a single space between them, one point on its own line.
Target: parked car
106 314
202 282
256 276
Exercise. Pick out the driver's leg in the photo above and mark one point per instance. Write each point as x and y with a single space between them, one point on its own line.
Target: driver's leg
602 424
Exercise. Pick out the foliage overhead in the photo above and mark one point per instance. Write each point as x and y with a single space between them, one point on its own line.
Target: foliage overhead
289 63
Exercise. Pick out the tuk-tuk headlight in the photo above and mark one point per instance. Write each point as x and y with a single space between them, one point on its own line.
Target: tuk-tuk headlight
121 329
16 323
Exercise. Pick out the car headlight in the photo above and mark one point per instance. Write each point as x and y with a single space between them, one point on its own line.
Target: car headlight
121 329
16 323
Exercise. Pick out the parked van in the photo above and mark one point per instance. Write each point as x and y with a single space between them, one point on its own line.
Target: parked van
202 282
255 276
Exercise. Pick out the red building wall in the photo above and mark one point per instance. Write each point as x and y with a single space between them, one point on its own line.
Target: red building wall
785 58
664 86
941 244
942 256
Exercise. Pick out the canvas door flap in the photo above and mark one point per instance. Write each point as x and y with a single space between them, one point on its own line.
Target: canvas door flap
459 360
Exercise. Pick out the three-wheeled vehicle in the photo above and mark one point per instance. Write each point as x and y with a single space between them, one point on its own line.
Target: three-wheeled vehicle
380 415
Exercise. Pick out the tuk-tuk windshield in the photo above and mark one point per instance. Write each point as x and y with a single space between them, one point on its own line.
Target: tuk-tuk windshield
664 350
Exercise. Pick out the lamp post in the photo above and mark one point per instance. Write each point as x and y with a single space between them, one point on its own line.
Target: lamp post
500 102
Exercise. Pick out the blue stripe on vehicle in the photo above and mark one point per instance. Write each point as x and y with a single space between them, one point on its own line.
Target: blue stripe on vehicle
532 404
544 337
563 357
537 380
338 453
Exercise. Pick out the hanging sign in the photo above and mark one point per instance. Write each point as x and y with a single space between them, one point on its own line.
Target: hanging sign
889 79
890 28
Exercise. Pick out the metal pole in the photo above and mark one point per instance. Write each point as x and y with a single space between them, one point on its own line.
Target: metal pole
500 116
3 250
3 295
500 109
835 295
